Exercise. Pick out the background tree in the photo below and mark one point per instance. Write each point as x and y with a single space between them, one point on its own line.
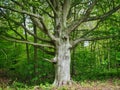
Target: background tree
55 19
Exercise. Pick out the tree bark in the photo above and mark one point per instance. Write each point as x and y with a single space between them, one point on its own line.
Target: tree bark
63 58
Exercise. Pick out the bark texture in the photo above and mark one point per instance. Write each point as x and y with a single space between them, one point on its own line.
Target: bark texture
62 72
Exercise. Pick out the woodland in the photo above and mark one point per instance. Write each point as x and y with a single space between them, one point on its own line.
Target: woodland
59 44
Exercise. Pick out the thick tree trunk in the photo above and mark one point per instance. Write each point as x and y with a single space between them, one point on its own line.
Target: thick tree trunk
62 72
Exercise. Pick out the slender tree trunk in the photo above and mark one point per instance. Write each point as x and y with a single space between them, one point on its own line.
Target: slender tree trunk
35 48
62 72
27 48
35 51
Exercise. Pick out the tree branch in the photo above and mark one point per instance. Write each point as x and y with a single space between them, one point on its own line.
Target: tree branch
75 24
104 15
91 29
51 61
88 11
66 8
19 4
7 35
22 12
47 13
38 23
74 43
47 60
43 27
26 42
46 51
28 31
52 6
15 30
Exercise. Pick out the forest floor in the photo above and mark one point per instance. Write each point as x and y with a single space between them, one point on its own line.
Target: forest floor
95 85
110 84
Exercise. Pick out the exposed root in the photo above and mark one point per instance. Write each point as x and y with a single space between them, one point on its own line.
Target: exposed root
62 83
37 88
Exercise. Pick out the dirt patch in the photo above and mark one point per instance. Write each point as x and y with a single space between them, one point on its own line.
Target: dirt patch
4 80
99 87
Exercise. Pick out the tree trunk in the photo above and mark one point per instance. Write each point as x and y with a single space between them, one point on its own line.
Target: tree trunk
63 58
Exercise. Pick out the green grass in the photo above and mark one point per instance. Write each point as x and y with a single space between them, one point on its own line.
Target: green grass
110 84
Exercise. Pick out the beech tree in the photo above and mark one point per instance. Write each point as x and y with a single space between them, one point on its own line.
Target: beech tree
56 19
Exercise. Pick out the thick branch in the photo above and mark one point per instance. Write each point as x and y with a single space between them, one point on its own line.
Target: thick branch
66 8
74 43
38 23
26 42
29 32
43 27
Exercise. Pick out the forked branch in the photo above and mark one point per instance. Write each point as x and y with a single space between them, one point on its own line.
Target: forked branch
86 18
76 23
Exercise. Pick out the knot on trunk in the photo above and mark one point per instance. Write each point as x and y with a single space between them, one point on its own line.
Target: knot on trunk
54 60
65 37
